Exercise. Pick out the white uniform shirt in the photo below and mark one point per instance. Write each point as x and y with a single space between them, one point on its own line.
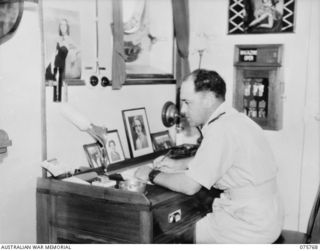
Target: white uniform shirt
235 156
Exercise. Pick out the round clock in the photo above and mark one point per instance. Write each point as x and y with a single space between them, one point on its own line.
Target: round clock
10 17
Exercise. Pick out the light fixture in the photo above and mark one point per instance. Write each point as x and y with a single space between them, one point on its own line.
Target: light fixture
199 44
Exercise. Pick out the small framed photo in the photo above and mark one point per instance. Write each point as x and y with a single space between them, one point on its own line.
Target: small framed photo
137 131
161 140
114 147
94 155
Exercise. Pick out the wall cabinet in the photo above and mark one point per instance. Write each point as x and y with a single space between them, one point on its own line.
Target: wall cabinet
259 84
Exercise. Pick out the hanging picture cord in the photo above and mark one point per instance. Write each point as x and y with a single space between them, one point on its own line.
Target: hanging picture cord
97 38
200 57
94 79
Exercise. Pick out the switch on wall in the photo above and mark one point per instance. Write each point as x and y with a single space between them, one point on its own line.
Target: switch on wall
4 142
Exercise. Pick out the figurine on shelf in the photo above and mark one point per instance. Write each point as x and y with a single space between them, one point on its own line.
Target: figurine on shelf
245 106
252 109
262 109
258 88
247 88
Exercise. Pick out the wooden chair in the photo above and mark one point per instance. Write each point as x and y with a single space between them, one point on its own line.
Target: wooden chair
313 230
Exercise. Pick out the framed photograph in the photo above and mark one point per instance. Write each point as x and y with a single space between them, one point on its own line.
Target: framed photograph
161 140
137 131
261 16
94 155
61 33
114 147
148 40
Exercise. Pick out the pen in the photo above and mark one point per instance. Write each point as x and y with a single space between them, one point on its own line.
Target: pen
162 159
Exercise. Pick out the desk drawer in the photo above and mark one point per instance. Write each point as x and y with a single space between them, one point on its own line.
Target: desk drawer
175 216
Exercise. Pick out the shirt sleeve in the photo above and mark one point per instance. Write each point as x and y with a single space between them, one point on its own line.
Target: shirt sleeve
213 158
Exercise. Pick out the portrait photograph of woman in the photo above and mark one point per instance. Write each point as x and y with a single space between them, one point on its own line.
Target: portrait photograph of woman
114 147
62 44
137 130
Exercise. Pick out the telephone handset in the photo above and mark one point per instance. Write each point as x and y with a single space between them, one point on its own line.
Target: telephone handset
182 151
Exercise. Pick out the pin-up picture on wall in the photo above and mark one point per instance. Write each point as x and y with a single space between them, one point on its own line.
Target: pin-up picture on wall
62 45
261 16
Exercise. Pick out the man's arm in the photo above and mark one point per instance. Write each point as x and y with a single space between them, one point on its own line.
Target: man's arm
178 182
166 163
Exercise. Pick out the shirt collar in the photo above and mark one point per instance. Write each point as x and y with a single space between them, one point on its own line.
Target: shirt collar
222 108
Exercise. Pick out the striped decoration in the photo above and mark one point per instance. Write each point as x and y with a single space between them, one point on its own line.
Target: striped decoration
237 12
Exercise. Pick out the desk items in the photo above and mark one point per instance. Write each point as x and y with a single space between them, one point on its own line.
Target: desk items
55 168
133 185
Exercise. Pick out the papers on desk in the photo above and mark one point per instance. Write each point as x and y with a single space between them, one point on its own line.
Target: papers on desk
74 179
54 167
109 183
129 174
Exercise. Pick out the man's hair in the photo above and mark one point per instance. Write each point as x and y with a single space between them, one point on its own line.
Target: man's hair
67 24
205 80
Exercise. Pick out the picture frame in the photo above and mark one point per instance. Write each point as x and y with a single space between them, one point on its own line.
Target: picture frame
261 16
94 155
62 44
114 147
161 140
137 131
148 41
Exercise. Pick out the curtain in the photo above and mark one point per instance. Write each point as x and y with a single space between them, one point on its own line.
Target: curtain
118 63
180 9
181 30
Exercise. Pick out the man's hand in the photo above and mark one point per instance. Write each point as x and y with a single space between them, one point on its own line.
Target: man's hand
142 173
166 164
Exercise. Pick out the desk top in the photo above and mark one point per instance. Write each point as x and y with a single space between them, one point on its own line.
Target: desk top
153 196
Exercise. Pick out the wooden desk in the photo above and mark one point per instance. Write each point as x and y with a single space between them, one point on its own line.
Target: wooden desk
76 213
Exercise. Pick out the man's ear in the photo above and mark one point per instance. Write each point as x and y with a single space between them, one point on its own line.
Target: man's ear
209 99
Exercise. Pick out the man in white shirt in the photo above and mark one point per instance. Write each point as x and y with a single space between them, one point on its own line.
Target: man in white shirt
235 157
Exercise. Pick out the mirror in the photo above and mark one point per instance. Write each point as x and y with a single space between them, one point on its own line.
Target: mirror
148 41
10 17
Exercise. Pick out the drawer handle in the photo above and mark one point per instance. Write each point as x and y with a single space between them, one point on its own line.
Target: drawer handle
174 216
